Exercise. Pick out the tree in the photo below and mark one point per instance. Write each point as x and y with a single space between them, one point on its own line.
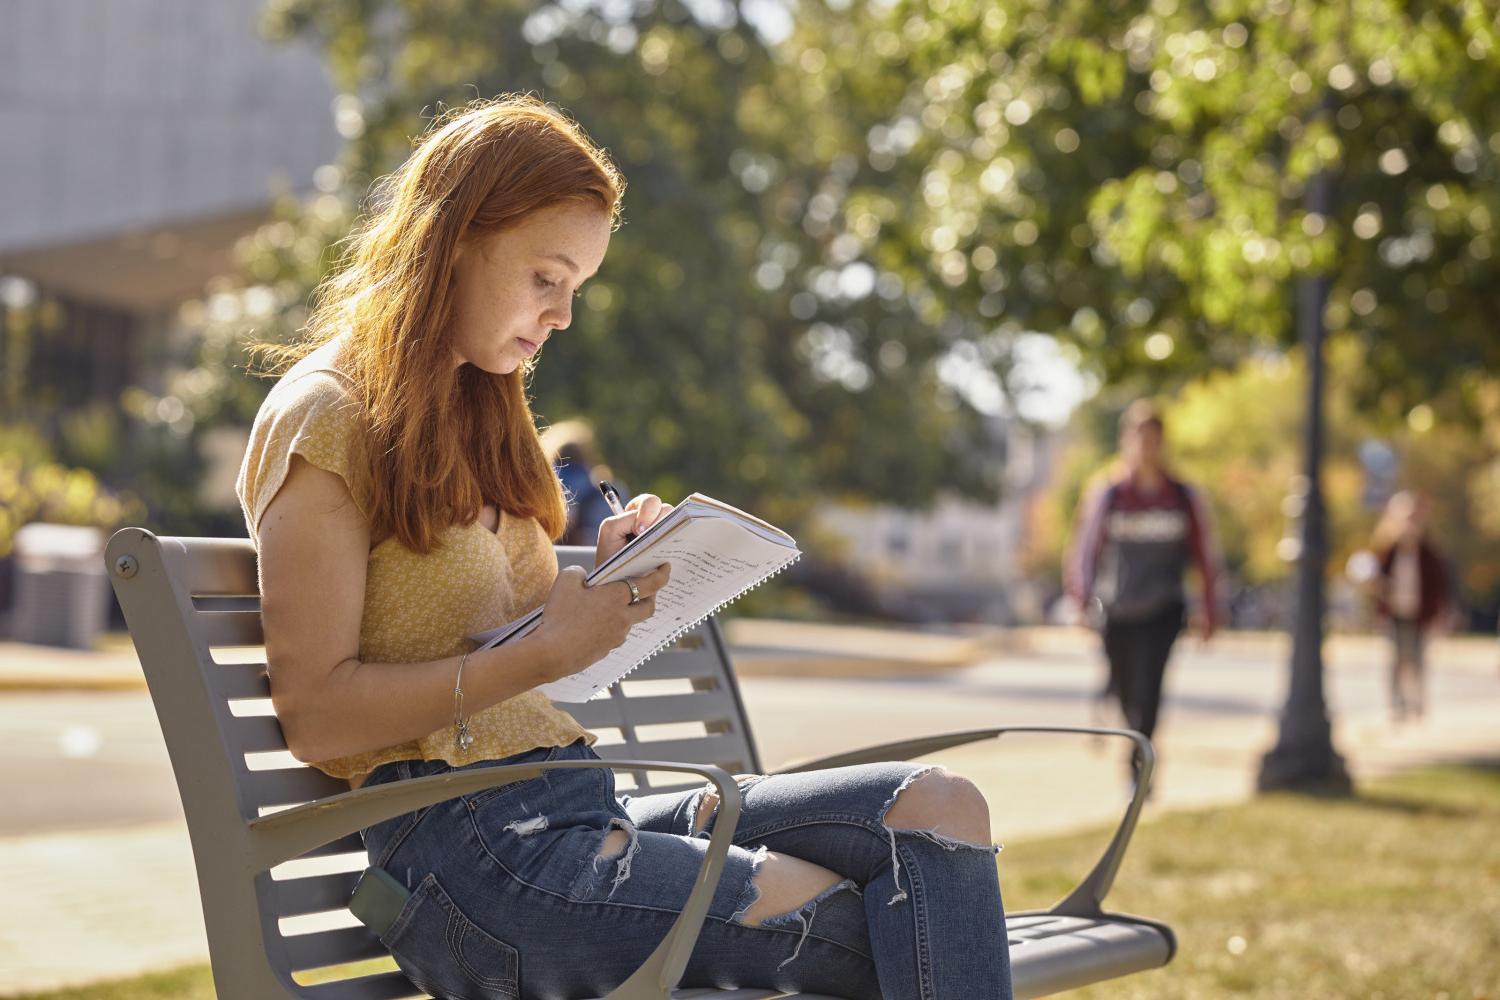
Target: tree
1131 176
733 343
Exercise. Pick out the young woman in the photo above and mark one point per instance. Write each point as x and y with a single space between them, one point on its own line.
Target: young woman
399 499
1138 531
1411 592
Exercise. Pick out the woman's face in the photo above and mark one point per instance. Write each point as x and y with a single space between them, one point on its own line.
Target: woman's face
1141 446
512 289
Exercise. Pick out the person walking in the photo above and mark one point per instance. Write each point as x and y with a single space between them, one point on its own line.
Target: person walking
1411 594
1138 530
399 500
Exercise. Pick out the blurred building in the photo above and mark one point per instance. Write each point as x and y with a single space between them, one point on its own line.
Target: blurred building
959 560
142 138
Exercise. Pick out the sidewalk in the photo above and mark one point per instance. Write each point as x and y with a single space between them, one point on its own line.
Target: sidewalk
800 649
110 666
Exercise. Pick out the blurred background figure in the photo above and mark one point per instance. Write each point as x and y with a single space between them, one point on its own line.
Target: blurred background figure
1411 592
1137 531
575 455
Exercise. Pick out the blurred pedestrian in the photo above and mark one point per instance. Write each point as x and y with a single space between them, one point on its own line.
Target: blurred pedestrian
570 446
1411 593
1137 531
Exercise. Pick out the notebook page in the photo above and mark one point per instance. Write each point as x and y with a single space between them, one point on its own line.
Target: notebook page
713 561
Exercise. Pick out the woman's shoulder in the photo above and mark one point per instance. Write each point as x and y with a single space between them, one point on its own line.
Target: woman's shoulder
310 411
312 389
316 376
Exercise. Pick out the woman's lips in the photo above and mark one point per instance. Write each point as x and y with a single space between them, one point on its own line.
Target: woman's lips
529 346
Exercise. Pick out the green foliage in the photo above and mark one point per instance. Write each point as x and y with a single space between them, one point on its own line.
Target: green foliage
1236 434
739 339
1133 176
34 487
833 242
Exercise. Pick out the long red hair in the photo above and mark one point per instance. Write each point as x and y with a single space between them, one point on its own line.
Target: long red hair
441 442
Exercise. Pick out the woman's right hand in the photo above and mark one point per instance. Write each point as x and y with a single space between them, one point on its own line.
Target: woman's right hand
580 624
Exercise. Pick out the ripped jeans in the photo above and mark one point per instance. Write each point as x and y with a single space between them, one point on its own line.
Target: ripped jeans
512 897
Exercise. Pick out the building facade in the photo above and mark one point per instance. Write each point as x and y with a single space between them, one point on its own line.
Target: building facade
141 139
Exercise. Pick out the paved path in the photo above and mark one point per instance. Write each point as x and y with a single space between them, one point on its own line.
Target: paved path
92 840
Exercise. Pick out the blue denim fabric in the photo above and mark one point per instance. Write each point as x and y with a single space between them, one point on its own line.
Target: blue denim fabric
512 899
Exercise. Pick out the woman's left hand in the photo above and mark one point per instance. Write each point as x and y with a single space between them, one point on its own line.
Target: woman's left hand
640 513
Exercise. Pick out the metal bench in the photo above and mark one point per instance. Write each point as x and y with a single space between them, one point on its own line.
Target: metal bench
276 843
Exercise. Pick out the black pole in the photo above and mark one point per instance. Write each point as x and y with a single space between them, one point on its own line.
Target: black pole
1303 758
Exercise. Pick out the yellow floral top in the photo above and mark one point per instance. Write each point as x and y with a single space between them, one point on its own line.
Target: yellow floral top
417 607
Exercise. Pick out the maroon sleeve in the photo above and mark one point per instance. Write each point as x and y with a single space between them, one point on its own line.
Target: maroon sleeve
1088 539
1205 553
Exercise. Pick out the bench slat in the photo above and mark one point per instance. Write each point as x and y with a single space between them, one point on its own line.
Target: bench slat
646 710
344 845
700 706
255 734
386 986
221 567
675 663
712 749
239 680
228 628
290 786
318 894
347 944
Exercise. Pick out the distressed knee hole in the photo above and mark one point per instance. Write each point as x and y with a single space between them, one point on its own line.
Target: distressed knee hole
706 807
618 848
941 803
708 800
786 892
781 885
614 844
944 808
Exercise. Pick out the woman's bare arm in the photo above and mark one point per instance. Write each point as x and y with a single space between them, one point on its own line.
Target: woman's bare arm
314 547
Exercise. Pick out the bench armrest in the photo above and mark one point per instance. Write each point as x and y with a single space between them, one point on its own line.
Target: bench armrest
284 835
1087 899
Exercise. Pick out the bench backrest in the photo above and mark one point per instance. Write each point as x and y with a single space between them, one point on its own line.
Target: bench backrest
193 608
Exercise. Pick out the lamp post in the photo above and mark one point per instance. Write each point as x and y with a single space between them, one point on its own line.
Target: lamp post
1303 758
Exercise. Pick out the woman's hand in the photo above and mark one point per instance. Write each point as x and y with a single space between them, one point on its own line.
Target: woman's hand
640 513
580 624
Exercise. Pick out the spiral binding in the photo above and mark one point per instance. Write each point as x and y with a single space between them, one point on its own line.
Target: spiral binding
669 640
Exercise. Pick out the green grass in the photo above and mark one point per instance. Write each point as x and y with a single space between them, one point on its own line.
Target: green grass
192 982
1393 894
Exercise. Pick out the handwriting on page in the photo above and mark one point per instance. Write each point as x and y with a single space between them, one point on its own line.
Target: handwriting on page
706 572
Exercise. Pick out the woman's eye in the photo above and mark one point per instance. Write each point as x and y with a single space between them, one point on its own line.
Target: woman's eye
542 282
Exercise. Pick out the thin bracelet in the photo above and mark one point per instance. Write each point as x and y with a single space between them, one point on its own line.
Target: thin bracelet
463 738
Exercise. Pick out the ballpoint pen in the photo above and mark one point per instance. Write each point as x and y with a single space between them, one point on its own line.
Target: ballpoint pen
612 497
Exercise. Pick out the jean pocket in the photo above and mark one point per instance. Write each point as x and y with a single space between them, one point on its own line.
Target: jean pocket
537 788
445 954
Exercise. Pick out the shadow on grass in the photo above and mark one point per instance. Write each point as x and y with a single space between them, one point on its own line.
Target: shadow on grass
1482 773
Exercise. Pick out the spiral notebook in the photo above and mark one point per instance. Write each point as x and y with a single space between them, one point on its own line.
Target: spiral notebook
717 553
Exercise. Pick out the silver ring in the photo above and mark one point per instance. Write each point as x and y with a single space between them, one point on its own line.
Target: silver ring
635 594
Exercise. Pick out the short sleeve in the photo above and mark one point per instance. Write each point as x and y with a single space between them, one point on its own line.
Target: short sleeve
311 415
